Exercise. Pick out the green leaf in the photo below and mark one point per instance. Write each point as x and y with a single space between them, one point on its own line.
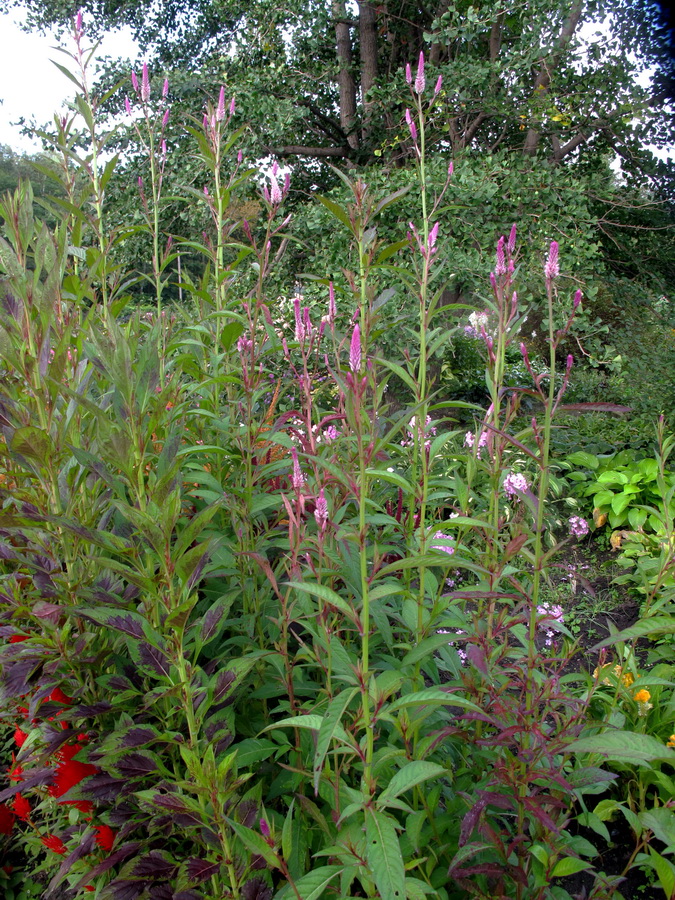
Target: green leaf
338 211
665 870
330 723
621 745
650 627
661 821
323 593
433 697
312 885
383 854
412 773
568 866
581 458
254 842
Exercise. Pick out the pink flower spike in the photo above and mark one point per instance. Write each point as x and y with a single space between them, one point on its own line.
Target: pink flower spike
264 828
321 511
206 122
206 191
220 111
413 132
165 88
163 148
408 73
287 182
78 22
355 350
500 265
408 117
275 191
165 118
145 84
433 234
298 478
439 85
275 167
233 106
570 363
451 168
552 269
240 156
127 106
140 182
511 246
577 299
134 81
419 78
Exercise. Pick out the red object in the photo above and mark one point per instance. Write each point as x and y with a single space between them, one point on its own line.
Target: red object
21 806
70 772
6 819
105 837
17 638
54 842
15 774
57 696
20 737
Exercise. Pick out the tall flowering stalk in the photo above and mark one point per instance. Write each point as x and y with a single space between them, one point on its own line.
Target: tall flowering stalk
153 142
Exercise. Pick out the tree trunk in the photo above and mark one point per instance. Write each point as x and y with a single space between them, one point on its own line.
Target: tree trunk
345 78
368 44
548 67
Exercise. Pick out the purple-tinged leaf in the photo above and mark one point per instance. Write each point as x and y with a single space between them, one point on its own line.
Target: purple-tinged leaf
211 621
106 787
88 711
126 890
137 736
201 869
122 853
16 675
224 682
192 895
590 775
256 889
476 656
35 778
540 813
136 765
85 847
154 659
156 864
161 892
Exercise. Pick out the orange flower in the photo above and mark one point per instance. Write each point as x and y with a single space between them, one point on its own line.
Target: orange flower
642 696
54 842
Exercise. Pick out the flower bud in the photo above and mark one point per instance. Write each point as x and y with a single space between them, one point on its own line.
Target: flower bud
220 110
419 78
408 73
165 88
127 106
552 269
145 84
577 299
439 84
355 350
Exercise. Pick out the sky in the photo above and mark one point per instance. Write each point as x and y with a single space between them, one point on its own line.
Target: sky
30 85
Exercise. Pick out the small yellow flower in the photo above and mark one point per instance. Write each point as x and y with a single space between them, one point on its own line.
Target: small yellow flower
642 696
671 741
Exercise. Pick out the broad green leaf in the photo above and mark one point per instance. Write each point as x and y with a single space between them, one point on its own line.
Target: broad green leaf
569 865
254 842
312 885
412 773
433 697
623 745
660 820
383 854
665 869
323 593
653 626
581 458
330 723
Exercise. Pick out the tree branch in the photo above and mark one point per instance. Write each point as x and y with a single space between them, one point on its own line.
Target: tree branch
294 150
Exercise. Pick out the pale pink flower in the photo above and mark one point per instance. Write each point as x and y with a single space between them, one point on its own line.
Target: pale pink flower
145 84
298 478
512 240
552 269
165 88
500 265
515 484
321 511
220 110
445 547
439 84
419 78
408 73
578 526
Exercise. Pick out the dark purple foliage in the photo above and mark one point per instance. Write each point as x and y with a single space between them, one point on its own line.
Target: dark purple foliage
256 889
201 870
155 659
154 865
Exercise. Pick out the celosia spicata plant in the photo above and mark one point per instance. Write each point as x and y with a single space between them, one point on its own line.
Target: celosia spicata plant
260 636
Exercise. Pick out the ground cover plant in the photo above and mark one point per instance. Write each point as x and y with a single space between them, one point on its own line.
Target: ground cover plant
265 633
